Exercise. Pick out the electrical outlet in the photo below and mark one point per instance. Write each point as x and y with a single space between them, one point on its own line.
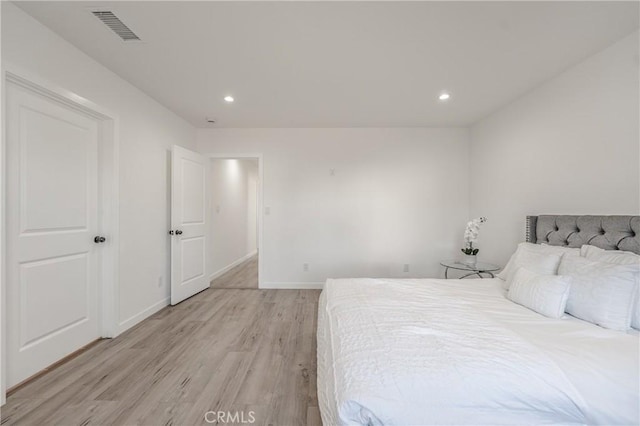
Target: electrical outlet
160 281
406 267
305 267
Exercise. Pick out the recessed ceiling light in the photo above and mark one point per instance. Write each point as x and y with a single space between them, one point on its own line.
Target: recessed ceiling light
228 99
444 96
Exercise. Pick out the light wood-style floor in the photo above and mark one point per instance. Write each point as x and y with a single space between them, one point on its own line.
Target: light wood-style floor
245 275
222 350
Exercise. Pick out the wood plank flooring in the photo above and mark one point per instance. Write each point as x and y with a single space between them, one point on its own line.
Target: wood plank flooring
244 275
222 350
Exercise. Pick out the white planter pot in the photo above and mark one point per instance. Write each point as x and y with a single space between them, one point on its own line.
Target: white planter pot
469 259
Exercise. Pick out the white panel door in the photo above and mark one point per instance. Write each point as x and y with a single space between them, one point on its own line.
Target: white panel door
188 224
52 220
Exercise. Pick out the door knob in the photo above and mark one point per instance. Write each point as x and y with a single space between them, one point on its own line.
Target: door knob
178 232
171 232
98 239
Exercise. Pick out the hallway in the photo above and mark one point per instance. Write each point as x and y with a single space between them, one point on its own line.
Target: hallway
244 275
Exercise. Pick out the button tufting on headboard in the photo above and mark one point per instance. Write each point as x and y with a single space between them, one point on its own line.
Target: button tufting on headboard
607 232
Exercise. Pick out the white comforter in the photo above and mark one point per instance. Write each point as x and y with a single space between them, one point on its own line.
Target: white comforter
457 352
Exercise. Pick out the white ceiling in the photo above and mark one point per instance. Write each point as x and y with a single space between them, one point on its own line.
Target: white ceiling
340 64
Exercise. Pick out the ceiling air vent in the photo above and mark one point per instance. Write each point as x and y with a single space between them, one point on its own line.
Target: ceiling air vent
116 25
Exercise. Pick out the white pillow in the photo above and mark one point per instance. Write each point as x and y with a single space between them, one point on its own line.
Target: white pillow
557 249
619 258
545 294
534 257
601 293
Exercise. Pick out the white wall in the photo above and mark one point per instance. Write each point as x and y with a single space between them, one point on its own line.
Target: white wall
569 147
147 132
252 208
396 196
231 211
3 363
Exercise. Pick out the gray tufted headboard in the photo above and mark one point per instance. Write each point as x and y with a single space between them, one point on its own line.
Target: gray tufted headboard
606 232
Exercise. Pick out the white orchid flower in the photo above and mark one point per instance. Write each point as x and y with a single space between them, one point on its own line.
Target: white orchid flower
471 234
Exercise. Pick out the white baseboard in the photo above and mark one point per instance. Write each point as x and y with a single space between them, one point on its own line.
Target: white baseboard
293 286
130 322
232 265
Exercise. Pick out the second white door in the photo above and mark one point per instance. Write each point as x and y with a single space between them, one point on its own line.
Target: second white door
188 224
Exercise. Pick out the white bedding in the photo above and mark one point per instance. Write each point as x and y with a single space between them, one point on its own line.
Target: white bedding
457 352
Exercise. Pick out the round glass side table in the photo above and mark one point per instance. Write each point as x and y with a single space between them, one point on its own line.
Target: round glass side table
478 268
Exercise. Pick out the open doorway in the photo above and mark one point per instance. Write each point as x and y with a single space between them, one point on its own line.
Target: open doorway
234 231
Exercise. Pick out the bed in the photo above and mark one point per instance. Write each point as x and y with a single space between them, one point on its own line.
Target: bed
457 352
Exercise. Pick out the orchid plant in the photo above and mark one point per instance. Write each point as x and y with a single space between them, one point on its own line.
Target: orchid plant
471 235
